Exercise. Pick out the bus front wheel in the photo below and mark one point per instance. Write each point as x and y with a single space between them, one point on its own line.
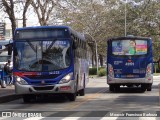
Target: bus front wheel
72 96
27 98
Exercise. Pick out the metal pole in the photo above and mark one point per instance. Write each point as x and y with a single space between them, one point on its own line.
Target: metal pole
125 18
96 57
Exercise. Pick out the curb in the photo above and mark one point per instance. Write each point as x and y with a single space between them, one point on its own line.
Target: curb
9 98
159 93
156 76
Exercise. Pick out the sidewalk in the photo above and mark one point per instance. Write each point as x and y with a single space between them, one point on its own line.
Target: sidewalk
8 94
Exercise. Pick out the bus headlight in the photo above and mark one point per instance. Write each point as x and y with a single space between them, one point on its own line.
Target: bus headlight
66 79
20 80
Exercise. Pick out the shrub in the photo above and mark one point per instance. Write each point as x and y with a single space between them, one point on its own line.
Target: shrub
102 72
93 71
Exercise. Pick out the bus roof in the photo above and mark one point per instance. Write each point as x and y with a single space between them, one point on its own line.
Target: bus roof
42 27
129 37
54 27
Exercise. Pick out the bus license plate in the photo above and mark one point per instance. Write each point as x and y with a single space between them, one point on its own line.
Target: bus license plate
130 76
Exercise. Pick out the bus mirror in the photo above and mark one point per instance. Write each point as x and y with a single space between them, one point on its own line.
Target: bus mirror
74 46
9 49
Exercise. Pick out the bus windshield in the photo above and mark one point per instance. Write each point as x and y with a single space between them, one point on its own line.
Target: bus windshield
42 55
129 47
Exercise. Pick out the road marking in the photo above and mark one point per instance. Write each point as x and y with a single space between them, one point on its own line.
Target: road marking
148 118
71 118
34 118
89 97
109 118
129 118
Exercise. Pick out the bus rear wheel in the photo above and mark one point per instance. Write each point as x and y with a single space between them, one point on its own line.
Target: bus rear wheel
143 88
27 98
117 88
111 88
82 91
149 88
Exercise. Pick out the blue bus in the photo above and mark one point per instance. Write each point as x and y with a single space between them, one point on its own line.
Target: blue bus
49 59
129 63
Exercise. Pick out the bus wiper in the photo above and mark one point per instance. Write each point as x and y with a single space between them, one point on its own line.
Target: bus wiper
51 45
31 45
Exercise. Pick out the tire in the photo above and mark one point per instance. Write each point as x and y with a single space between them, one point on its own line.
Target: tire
82 91
27 98
149 88
143 88
72 96
111 88
117 88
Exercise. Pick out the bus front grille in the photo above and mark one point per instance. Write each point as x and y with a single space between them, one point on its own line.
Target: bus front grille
42 77
43 87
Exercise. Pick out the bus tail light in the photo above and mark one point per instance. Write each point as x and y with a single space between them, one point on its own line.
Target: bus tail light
110 70
149 69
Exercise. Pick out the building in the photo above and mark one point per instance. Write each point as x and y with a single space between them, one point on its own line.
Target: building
8 29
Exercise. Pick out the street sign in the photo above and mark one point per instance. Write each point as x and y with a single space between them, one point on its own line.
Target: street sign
2 31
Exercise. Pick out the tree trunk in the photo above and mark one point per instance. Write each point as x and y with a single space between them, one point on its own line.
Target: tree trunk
13 25
92 60
101 60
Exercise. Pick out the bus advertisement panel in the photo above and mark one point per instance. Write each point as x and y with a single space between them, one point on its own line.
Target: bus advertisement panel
129 63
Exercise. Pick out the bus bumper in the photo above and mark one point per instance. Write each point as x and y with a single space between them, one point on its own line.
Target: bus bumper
69 87
146 80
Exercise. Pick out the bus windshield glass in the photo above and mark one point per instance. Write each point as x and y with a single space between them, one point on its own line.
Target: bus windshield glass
129 47
42 55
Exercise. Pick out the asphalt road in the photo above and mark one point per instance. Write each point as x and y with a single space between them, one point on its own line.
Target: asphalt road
97 102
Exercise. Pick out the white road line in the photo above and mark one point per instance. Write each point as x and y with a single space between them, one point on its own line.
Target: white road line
109 118
34 118
71 118
129 118
148 118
